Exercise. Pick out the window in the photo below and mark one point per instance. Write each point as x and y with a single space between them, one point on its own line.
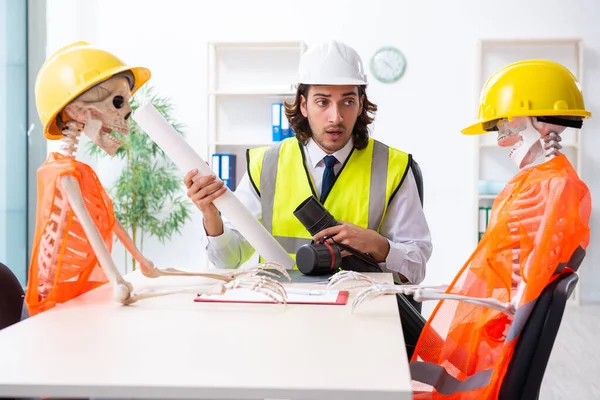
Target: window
13 137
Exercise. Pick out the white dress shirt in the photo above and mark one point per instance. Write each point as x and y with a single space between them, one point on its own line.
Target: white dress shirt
404 224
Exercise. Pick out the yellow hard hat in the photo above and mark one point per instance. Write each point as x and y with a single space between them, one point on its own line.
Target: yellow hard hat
528 88
69 72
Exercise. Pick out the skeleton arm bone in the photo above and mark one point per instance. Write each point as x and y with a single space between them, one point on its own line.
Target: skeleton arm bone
123 290
147 266
150 271
420 293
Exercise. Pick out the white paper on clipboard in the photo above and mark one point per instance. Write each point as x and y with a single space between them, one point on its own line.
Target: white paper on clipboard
294 296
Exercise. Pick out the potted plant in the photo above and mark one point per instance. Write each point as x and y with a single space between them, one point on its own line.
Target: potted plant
147 194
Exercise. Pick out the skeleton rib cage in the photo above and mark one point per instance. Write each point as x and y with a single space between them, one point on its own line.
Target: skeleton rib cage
63 261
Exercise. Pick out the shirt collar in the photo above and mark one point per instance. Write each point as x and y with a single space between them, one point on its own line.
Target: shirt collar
316 154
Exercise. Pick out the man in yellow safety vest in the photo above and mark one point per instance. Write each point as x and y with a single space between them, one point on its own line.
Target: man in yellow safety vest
367 186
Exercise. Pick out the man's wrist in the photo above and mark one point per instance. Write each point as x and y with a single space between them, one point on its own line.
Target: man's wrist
213 224
382 249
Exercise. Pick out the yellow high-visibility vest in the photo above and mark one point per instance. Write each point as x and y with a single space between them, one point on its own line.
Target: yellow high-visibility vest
360 194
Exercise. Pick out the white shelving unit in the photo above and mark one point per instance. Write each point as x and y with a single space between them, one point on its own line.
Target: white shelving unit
244 79
492 161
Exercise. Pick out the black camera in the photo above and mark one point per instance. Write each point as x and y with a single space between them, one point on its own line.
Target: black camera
324 257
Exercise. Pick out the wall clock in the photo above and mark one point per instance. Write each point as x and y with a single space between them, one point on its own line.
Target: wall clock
388 64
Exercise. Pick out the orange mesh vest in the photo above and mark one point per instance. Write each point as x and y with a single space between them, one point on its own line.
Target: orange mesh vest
73 269
537 223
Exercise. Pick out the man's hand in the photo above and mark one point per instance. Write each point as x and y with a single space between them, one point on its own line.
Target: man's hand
203 191
363 240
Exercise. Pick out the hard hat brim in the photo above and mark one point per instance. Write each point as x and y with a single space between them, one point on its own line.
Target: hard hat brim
334 82
141 76
478 129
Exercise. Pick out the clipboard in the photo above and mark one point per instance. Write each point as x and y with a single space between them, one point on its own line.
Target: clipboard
294 296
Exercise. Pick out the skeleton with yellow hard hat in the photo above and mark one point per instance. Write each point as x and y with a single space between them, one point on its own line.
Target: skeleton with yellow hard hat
538 230
82 88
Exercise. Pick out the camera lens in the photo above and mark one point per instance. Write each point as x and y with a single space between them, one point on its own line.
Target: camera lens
318 259
313 216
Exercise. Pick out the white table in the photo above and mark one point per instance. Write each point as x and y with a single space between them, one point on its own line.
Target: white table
172 347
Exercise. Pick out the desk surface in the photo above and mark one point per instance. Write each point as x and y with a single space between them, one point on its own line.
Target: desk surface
173 347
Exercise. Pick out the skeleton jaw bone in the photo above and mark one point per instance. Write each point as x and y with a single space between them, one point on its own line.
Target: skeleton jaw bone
345 276
520 133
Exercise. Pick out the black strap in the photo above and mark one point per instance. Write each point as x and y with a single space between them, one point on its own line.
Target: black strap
363 257
571 123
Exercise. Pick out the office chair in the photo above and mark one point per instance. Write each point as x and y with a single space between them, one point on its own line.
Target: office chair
419 180
526 370
11 298
410 310
416 170
418 177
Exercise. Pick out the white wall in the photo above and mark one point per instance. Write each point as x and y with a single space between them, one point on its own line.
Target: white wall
422 114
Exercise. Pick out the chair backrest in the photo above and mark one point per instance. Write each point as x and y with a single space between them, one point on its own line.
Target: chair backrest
418 177
418 306
526 370
11 298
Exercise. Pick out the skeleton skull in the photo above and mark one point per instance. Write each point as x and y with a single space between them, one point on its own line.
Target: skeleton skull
524 134
107 103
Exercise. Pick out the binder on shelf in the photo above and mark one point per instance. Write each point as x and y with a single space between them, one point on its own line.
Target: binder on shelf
484 219
286 132
224 166
276 121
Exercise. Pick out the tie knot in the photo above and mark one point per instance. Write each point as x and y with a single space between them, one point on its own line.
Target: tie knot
330 161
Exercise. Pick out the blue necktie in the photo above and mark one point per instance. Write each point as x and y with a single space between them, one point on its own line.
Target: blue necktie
328 176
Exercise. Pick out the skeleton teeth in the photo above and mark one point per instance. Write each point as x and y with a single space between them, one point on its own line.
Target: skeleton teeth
111 138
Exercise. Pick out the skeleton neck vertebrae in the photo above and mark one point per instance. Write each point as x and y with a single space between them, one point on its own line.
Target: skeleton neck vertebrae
551 145
70 142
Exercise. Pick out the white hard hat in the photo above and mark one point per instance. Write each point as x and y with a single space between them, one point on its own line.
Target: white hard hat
331 63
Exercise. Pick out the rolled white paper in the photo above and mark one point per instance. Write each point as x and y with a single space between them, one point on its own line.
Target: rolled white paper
186 159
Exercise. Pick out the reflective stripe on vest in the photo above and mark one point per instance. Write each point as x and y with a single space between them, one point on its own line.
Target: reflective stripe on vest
355 197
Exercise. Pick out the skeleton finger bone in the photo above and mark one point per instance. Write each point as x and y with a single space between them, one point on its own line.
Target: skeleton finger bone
386 289
345 276
379 290
263 268
268 286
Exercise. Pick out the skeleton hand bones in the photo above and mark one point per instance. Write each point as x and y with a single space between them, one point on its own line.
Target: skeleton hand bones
419 293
